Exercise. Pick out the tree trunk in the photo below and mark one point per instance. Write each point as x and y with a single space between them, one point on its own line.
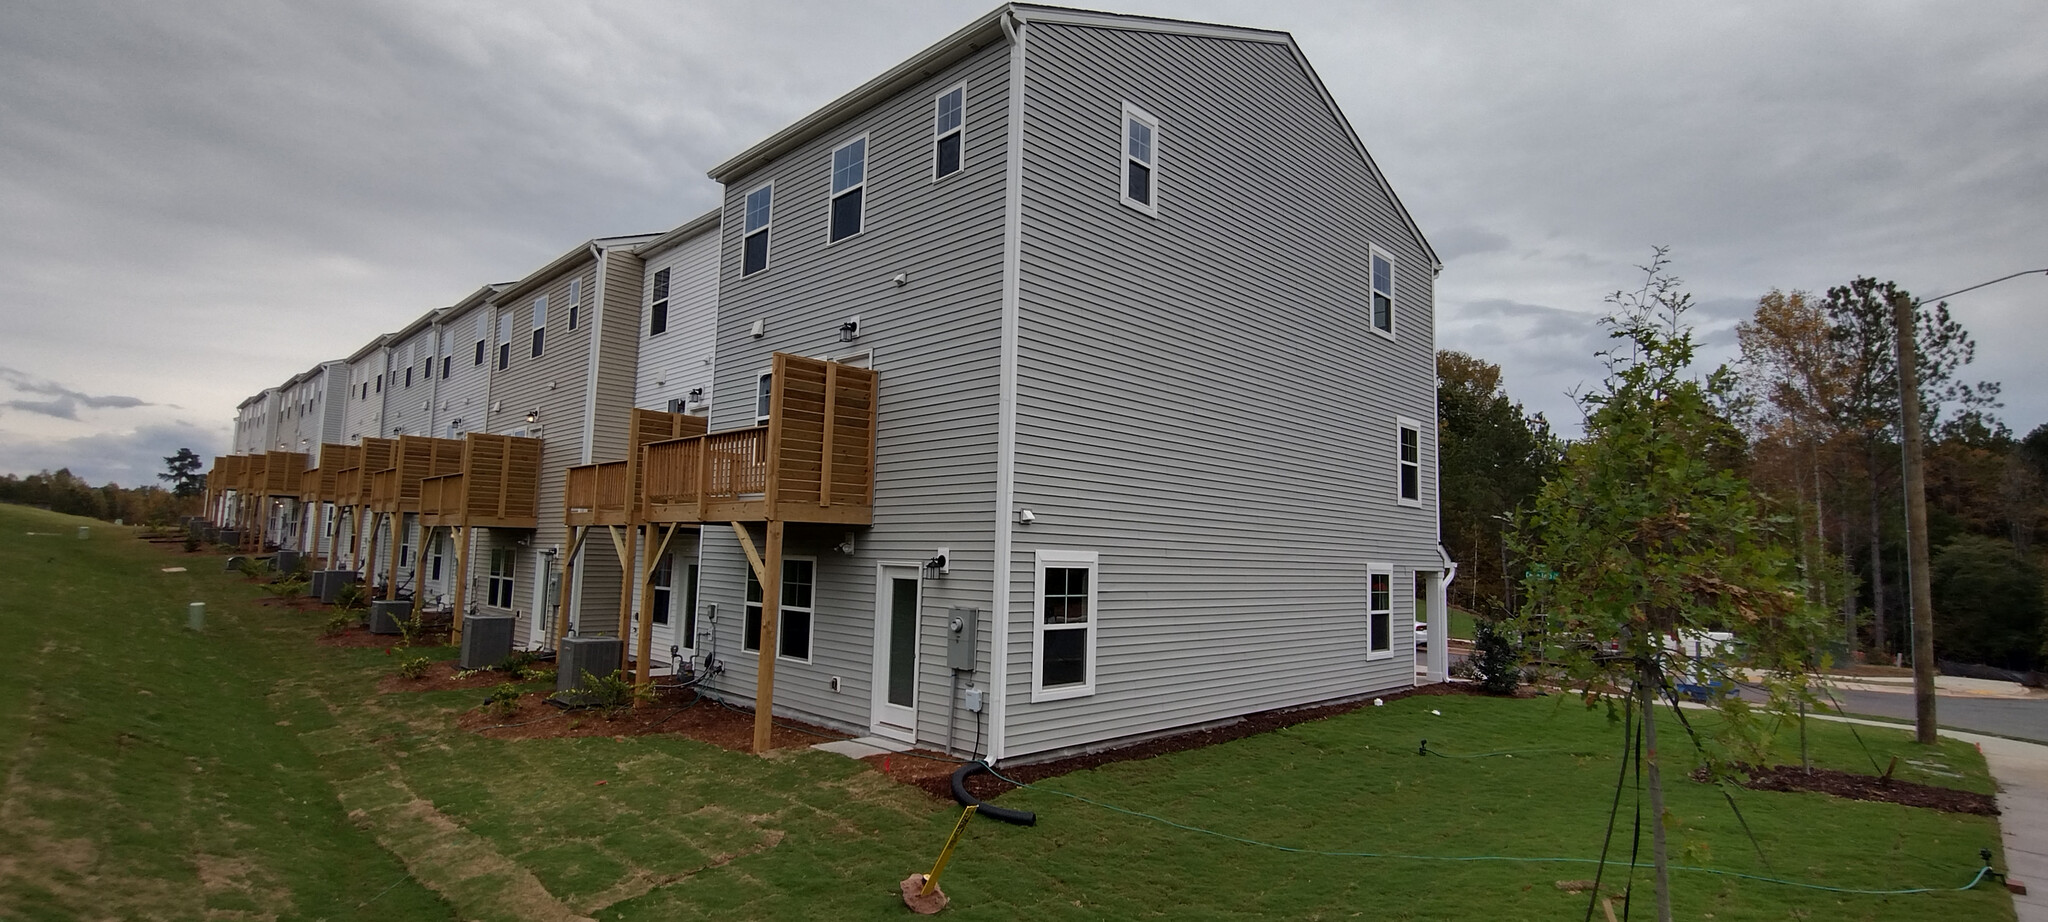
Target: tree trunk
1648 690
1848 589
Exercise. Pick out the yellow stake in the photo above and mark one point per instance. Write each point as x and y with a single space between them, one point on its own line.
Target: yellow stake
931 881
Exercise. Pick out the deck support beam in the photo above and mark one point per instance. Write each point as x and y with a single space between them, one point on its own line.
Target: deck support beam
461 582
561 626
769 572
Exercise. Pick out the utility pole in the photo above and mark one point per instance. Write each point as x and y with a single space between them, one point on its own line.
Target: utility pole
1905 313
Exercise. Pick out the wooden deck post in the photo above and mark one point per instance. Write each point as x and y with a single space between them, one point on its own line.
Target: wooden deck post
627 553
771 611
370 559
657 548
561 625
397 544
461 582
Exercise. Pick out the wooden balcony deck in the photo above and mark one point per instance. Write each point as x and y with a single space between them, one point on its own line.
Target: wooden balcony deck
283 472
813 462
322 481
352 484
496 485
396 488
609 493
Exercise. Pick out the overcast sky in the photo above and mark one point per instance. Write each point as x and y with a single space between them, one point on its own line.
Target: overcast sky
201 199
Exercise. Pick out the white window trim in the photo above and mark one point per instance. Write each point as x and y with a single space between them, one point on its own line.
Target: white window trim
1373 251
1401 423
767 228
510 577
1372 570
575 300
1063 559
832 198
782 610
938 135
1123 158
664 276
760 417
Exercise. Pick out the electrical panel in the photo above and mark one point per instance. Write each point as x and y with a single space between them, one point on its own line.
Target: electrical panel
961 630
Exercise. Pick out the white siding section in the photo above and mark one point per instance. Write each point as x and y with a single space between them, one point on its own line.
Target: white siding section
679 360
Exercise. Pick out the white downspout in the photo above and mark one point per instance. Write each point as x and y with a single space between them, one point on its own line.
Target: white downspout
1006 417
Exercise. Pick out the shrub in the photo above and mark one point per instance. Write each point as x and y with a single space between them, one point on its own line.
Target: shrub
503 701
253 568
289 589
191 544
1493 657
611 692
519 662
415 668
339 623
352 596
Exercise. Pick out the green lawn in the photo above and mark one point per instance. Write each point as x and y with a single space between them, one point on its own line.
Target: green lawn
246 772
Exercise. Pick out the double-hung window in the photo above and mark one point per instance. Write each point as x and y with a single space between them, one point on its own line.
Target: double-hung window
949 131
1382 291
1063 654
504 340
849 181
759 220
1408 452
540 324
501 577
447 352
1141 160
764 396
1379 610
793 631
483 335
575 300
657 312
410 348
663 579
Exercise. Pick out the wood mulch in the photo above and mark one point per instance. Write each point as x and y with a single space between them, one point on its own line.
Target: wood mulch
445 676
1861 787
678 711
359 636
933 772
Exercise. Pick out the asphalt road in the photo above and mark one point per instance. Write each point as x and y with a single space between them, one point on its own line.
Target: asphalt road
2025 719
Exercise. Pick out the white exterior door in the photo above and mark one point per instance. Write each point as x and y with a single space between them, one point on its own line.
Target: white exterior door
899 592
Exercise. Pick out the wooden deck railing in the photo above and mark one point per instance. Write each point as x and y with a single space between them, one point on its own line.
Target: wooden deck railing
599 494
497 485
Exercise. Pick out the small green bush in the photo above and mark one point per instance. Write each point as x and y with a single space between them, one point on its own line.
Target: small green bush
415 668
351 597
503 701
1493 657
253 568
340 623
288 589
611 692
191 544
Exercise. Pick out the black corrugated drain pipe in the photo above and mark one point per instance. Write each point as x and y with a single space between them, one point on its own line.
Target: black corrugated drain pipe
1007 815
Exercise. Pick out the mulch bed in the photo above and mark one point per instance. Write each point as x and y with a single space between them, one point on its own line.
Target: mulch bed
934 772
1862 787
445 676
360 636
680 711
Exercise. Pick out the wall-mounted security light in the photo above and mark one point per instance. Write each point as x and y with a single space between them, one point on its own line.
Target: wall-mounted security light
850 330
940 563
847 546
533 415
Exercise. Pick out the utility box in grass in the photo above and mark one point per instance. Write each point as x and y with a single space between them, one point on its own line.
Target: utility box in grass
228 536
386 614
285 561
598 656
486 640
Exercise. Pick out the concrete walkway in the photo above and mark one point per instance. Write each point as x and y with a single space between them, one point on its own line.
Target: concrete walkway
2021 770
1946 686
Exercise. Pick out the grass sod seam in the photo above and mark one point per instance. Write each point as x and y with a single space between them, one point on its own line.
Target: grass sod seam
1974 881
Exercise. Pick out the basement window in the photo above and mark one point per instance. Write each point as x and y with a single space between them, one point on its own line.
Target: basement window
1063 647
793 632
502 572
1379 611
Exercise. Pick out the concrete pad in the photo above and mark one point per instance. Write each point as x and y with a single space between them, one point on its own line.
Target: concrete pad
863 747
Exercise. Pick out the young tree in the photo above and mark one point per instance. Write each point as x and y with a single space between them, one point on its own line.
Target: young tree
182 473
1653 539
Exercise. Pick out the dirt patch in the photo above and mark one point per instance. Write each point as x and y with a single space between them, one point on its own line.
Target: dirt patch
1861 787
680 711
933 772
444 676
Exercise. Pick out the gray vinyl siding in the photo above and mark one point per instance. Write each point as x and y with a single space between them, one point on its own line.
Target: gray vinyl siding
408 410
936 348
463 401
1200 399
334 404
680 359
365 415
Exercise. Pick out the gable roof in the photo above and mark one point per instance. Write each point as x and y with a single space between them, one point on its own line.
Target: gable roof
991 28
575 256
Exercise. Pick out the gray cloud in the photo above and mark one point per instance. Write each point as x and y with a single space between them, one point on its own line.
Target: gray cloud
66 402
206 198
130 458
